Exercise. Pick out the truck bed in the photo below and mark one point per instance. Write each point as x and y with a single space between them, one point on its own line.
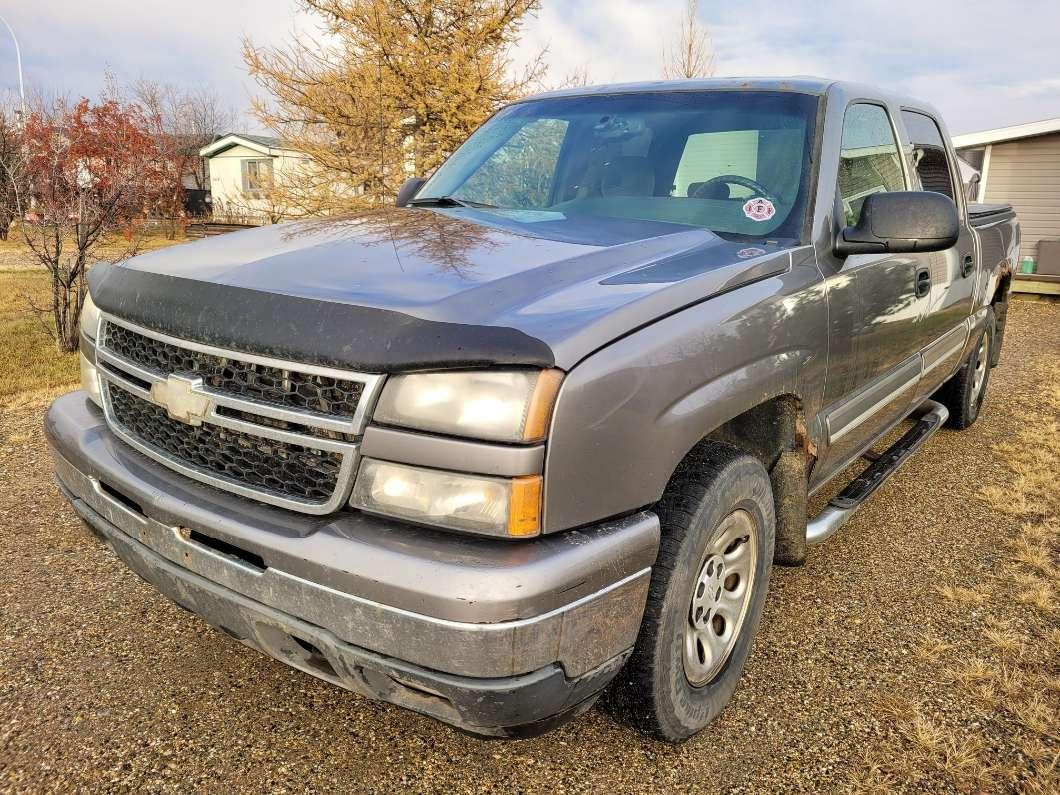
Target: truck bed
980 214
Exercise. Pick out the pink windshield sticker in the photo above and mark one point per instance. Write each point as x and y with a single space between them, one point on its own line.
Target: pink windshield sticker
759 209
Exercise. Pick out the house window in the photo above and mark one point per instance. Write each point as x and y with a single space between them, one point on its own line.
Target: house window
257 176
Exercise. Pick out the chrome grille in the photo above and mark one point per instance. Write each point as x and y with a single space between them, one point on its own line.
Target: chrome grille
275 385
281 468
276 431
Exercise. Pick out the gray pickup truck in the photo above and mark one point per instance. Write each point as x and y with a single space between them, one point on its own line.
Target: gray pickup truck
542 429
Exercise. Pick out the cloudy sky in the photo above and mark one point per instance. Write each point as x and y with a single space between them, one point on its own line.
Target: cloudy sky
984 63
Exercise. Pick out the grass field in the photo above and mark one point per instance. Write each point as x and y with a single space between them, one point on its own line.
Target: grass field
29 359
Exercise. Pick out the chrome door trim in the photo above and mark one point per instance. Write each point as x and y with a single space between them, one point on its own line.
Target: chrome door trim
857 409
946 346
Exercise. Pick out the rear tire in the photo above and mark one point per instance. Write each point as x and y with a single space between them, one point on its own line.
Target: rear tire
707 591
964 393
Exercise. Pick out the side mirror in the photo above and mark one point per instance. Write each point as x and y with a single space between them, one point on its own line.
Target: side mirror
408 190
901 222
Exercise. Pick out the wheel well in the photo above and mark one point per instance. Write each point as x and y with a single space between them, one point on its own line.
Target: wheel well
1001 293
999 303
766 430
774 432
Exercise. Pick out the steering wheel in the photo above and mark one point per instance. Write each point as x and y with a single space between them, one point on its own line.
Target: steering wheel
702 190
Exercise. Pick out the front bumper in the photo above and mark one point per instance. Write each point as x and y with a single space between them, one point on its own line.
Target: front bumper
492 636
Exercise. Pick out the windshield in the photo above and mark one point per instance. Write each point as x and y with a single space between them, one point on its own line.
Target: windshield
733 162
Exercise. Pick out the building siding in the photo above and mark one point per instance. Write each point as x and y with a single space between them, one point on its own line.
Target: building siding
226 180
1026 174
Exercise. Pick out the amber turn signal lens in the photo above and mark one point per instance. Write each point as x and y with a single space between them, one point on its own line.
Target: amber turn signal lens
539 412
524 516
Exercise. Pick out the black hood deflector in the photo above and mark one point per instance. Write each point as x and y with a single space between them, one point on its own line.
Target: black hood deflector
306 330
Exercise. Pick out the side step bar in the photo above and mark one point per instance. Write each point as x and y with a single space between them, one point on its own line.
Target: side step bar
929 416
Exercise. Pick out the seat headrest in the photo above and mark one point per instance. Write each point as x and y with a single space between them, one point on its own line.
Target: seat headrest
628 176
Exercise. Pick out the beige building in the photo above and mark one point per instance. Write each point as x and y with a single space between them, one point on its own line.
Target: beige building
1020 166
242 169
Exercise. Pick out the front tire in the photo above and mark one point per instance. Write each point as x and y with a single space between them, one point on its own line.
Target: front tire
964 393
707 592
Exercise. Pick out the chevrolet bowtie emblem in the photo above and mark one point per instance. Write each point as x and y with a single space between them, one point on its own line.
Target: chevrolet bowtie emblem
178 396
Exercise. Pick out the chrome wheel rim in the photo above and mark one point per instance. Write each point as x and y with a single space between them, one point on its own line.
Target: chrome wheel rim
720 597
981 362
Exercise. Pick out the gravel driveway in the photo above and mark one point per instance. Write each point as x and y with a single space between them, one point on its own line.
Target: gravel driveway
104 684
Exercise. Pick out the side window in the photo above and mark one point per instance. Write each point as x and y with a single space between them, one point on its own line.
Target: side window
521 172
869 161
927 155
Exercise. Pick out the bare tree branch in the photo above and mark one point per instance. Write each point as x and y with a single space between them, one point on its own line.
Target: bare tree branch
692 55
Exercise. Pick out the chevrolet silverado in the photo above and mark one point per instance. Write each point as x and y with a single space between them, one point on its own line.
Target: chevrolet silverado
539 431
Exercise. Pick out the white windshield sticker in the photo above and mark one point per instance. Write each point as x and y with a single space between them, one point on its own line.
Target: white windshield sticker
759 209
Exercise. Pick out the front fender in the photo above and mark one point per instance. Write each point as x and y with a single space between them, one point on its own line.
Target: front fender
628 414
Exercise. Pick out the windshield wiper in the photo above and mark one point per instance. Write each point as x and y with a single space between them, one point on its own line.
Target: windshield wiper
449 201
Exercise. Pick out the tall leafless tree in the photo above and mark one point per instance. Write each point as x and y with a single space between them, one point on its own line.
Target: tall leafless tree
577 77
692 55
189 119
12 167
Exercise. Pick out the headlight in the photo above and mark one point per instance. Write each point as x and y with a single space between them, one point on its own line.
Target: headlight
89 317
497 405
490 506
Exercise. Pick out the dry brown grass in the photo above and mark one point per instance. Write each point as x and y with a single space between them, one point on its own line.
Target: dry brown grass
969 597
930 649
15 255
29 360
1006 682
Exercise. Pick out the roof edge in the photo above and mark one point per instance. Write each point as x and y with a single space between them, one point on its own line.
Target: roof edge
1010 133
228 140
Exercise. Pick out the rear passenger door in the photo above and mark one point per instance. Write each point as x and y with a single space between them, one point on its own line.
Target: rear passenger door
947 306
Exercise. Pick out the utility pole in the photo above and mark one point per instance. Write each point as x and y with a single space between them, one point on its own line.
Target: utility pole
18 60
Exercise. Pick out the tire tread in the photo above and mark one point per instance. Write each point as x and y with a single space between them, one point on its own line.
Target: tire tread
631 697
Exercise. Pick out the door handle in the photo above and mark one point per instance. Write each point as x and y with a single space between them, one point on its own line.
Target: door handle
967 265
923 282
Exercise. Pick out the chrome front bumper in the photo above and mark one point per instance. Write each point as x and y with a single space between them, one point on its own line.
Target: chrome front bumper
454 605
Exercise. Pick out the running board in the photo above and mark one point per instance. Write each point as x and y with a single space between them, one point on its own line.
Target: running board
929 418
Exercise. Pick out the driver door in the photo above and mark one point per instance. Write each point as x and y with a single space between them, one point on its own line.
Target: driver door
875 383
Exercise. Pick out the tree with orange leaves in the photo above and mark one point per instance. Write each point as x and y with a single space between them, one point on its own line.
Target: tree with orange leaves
92 170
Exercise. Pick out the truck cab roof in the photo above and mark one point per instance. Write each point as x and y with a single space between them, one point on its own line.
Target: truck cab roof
801 84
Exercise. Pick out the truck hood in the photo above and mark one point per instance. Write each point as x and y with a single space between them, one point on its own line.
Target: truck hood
394 289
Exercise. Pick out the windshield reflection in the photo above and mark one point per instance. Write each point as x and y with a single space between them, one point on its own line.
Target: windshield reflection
728 161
